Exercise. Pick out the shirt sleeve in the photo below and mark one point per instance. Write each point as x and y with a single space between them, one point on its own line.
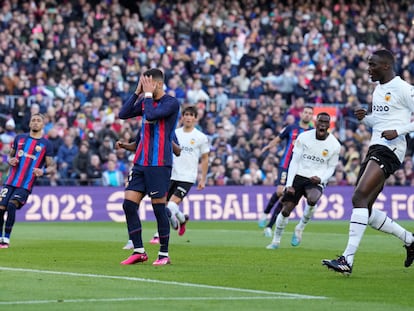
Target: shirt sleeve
162 110
368 120
131 108
409 100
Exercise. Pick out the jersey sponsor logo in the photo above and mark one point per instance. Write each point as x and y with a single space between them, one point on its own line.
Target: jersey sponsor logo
380 108
187 149
313 158
21 153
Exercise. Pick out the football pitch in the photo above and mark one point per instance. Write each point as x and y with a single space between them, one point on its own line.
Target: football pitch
215 266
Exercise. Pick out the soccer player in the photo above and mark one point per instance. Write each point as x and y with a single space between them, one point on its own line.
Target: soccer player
133 147
153 161
194 146
315 156
289 134
27 158
390 120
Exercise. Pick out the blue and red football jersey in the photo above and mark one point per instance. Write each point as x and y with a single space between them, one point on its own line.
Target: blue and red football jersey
31 153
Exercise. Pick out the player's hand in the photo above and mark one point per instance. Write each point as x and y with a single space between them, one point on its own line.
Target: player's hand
315 180
389 134
290 190
139 89
148 85
38 172
201 185
119 144
13 161
360 113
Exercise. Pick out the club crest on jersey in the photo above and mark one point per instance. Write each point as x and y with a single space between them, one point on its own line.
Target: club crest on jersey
388 96
38 148
192 141
325 152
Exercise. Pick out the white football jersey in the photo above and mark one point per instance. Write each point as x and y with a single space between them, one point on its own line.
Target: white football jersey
193 144
392 106
313 157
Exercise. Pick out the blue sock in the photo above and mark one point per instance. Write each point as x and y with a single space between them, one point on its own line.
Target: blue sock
133 222
2 212
163 226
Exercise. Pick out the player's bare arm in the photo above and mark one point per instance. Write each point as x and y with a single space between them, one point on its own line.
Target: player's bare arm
11 159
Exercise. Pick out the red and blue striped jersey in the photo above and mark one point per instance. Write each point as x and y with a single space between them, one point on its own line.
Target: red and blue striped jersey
31 153
289 133
159 120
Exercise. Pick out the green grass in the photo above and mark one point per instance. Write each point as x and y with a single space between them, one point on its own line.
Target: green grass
215 266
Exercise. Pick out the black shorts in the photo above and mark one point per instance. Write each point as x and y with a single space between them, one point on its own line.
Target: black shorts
386 159
179 189
301 184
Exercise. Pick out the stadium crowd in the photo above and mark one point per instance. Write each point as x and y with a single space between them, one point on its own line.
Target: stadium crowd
249 66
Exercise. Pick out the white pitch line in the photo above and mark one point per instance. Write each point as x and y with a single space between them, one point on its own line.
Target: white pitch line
114 277
29 302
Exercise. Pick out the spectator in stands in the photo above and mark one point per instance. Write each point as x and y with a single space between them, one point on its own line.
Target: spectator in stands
64 159
55 140
80 164
94 171
19 112
325 55
105 149
112 176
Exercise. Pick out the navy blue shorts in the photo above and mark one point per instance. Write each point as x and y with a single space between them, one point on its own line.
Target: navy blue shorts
9 193
151 180
282 177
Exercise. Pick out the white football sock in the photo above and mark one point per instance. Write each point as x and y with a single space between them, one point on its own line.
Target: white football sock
281 222
380 221
140 250
357 226
307 215
175 210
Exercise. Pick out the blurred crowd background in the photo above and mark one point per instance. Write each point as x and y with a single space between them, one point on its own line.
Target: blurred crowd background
249 66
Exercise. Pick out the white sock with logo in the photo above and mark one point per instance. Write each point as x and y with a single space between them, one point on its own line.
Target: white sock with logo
380 221
357 226
281 222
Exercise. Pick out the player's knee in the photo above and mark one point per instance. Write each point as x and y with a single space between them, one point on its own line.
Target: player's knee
287 209
13 204
358 198
285 213
129 206
312 201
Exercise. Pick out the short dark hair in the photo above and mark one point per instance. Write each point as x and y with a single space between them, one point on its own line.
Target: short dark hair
190 109
155 73
323 114
38 114
386 55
